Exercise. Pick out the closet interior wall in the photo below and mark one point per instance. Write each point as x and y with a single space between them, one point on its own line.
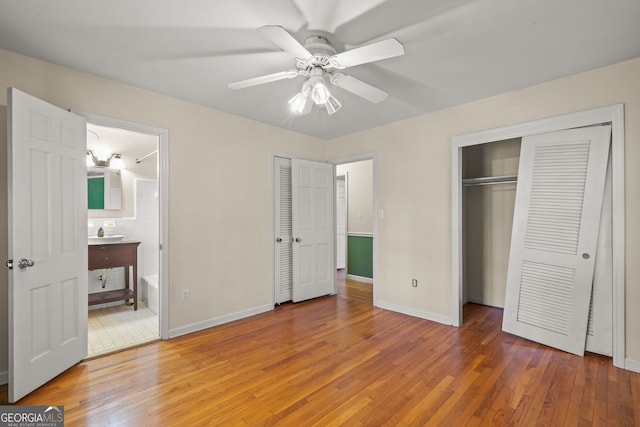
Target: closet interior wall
488 219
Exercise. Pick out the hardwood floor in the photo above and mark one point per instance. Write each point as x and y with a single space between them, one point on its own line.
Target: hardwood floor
340 361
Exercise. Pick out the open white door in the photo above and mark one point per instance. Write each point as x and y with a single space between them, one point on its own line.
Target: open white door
48 230
557 213
313 231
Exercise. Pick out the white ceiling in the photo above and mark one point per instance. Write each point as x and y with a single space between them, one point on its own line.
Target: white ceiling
456 50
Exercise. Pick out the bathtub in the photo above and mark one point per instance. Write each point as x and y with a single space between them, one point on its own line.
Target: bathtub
150 292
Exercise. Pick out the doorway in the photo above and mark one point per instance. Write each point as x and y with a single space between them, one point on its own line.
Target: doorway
142 217
613 115
356 220
123 204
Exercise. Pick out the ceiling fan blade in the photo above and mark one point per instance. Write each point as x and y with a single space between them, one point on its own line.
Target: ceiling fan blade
358 87
281 37
384 49
263 79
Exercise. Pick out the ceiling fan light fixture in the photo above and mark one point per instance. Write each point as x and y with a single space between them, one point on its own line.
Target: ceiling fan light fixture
332 105
318 60
320 93
300 104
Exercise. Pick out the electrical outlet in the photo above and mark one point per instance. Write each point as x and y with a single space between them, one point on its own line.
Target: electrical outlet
185 294
414 283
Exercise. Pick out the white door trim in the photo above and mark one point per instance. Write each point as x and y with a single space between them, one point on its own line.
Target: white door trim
163 194
374 159
345 178
613 114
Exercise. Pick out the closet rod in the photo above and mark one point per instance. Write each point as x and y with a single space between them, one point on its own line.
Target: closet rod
489 180
145 156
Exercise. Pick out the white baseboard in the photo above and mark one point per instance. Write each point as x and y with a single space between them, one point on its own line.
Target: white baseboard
195 327
360 278
415 312
632 365
4 377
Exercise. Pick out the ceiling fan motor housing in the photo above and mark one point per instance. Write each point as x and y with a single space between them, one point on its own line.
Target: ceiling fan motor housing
320 49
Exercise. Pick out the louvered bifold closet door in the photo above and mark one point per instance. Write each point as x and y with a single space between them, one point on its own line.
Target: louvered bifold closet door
283 227
557 212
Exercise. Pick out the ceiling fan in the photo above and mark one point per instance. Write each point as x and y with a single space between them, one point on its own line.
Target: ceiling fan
318 61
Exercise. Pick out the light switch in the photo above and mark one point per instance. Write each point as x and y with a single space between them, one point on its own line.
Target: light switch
381 214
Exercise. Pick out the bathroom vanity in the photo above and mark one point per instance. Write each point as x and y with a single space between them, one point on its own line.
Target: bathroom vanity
111 255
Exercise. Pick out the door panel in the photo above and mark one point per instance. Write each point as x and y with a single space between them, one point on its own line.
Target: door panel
47 224
313 231
555 231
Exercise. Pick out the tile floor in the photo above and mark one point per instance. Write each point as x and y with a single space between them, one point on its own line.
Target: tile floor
119 327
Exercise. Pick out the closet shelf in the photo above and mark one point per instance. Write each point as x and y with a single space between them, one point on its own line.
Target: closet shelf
489 180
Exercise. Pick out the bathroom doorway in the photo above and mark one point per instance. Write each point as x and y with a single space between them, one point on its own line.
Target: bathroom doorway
126 215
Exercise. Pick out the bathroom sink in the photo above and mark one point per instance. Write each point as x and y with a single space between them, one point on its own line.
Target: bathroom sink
95 240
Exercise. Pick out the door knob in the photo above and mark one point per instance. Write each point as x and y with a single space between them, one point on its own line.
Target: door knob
585 255
24 263
298 240
278 239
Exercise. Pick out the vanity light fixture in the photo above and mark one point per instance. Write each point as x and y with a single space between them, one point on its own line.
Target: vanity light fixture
92 158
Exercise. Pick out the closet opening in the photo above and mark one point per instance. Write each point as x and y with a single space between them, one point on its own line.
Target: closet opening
489 176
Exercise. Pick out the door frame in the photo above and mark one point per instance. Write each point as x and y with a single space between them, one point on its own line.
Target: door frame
345 177
163 194
374 163
613 114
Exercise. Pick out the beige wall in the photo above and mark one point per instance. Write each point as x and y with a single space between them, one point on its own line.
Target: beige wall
220 186
360 195
414 178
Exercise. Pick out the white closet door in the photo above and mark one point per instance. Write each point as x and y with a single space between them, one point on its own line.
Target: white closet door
555 233
283 226
600 326
312 186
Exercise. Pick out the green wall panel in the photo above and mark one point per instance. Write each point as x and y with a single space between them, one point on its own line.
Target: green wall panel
360 256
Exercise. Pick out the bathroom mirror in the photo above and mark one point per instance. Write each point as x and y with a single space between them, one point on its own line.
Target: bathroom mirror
104 188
